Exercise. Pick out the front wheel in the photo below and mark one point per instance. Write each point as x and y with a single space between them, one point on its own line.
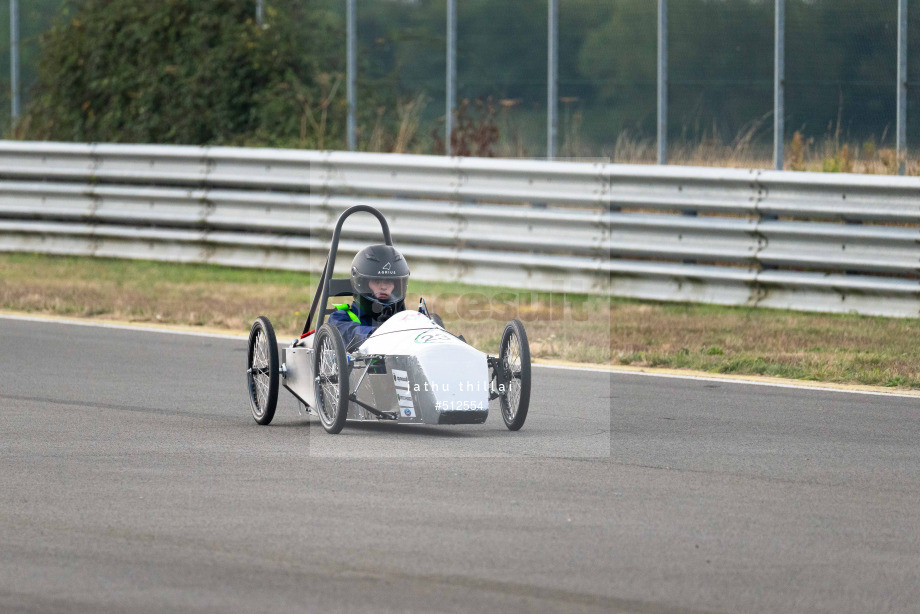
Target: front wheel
331 383
262 374
514 355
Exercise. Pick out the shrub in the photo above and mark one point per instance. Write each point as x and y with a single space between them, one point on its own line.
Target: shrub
193 72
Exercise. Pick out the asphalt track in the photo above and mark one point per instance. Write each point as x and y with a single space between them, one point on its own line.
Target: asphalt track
132 479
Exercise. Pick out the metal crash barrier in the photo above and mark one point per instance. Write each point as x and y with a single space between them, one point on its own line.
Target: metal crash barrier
807 241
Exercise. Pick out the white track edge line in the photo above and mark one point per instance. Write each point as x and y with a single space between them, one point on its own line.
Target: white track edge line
729 380
611 371
142 329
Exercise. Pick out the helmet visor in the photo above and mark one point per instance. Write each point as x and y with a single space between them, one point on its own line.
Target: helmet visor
385 290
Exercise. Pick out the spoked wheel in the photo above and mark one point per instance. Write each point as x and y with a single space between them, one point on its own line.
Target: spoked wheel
262 372
515 359
331 383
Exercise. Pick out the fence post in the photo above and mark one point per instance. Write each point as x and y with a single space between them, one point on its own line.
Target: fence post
14 59
662 81
451 93
902 88
552 78
350 69
779 83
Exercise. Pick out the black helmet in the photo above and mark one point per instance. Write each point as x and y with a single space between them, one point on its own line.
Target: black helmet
379 263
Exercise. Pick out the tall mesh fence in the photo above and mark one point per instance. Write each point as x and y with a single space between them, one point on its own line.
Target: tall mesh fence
843 90
840 87
607 92
508 79
401 64
721 80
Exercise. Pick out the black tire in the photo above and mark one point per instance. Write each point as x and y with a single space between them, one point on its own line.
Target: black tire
331 383
515 355
437 320
262 371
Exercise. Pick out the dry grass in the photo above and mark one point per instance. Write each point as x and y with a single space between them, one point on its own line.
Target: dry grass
830 348
747 149
501 129
829 155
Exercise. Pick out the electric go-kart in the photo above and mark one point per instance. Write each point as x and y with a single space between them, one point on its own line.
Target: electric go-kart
410 370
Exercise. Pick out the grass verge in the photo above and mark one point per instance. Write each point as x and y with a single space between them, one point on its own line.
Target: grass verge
818 347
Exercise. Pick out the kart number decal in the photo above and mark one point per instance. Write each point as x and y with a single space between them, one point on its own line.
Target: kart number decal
403 394
433 336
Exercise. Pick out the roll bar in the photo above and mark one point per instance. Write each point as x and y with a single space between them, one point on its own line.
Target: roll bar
322 296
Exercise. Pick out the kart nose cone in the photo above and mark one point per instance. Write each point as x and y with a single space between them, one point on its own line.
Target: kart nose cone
457 376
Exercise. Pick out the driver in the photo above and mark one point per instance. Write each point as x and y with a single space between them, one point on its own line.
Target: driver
379 278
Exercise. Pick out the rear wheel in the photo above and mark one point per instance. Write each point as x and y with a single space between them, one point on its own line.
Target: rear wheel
262 372
331 383
514 355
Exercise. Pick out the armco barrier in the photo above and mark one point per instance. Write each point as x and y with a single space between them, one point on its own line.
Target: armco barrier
810 241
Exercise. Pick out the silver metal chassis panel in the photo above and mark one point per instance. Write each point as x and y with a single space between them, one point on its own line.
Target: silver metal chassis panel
298 372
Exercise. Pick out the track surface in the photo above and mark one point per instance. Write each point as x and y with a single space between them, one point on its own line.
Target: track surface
134 479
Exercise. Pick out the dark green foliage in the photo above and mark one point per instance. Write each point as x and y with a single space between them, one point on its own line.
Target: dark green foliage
190 71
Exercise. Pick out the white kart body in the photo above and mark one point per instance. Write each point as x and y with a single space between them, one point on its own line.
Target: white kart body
427 375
